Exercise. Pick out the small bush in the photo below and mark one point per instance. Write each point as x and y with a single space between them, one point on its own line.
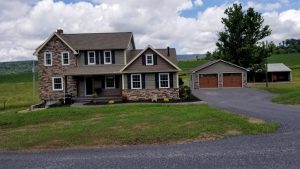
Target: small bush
185 93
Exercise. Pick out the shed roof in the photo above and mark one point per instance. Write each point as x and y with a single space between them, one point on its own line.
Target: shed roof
278 67
94 70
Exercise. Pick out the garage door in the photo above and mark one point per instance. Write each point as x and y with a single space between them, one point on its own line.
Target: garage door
208 80
232 80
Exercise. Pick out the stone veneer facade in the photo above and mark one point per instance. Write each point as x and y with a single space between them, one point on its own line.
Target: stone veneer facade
56 46
148 94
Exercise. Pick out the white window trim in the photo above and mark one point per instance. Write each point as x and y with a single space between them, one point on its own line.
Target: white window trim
62 57
89 63
114 82
148 64
105 57
62 84
132 81
160 81
45 62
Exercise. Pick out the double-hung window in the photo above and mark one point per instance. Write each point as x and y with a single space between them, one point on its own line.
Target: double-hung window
57 83
110 82
149 59
136 81
107 57
91 58
65 58
164 80
48 59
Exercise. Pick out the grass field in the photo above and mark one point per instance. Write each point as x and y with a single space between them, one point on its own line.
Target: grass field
292 60
16 90
122 124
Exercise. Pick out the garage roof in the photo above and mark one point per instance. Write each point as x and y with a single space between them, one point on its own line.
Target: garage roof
214 62
278 67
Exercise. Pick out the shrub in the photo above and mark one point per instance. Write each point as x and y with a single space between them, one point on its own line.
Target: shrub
185 92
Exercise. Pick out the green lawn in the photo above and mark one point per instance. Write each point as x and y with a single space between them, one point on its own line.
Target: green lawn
16 89
121 124
292 59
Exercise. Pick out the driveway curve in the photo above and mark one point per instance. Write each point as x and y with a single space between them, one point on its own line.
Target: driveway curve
278 150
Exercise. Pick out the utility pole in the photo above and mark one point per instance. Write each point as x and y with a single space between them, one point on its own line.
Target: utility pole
33 79
266 62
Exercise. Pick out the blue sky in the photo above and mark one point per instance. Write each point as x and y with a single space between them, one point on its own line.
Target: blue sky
191 26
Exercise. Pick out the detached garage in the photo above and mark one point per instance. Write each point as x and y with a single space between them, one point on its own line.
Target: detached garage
218 74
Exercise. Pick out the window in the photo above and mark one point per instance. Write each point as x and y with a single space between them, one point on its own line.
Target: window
48 59
107 57
91 58
110 82
164 80
65 58
57 83
136 82
149 59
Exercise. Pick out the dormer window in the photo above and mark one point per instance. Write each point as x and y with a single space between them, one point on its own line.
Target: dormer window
48 59
91 58
107 57
149 59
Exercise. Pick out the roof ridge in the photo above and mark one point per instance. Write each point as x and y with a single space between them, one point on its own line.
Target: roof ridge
94 33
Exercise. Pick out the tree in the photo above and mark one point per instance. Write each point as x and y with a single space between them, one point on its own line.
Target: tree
240 42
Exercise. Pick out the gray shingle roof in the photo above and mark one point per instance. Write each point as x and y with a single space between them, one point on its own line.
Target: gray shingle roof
92 41
278 67
164 52
94 70
207 64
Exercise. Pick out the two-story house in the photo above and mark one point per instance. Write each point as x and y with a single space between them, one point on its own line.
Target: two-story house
105 65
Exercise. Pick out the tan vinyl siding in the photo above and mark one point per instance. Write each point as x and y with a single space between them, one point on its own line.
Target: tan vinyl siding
137 65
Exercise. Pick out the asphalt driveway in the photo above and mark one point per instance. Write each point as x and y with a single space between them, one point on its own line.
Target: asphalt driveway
278 150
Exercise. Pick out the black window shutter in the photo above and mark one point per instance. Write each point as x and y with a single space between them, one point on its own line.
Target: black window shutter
171 80
156 80
113 59
129 81
155 59
85 57
101 57
143 81
97 56
117 81
103 81
144 59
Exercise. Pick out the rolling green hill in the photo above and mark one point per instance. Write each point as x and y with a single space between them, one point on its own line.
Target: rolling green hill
291 60
16 67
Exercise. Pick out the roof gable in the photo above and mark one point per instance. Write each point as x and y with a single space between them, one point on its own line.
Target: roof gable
158 53
37 50
210 63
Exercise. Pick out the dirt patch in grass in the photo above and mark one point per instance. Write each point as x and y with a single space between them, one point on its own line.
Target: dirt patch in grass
255 120
233 132
141 126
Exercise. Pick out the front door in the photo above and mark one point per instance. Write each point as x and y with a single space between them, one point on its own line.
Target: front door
89 87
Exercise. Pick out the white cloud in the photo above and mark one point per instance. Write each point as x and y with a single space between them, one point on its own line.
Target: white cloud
198 2
155 22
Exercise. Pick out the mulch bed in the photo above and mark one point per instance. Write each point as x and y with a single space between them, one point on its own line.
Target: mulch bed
191 99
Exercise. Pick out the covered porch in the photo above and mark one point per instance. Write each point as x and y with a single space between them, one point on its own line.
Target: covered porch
90 83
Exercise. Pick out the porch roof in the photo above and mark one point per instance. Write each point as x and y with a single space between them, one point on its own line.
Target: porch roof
94 70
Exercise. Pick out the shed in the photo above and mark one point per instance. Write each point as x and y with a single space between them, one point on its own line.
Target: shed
278 72
218 74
